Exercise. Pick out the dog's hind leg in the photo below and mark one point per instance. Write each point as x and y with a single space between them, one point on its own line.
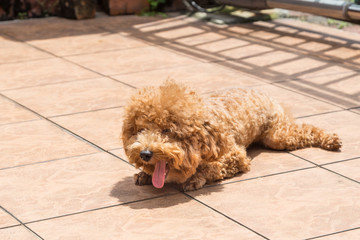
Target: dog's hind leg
227 166
287 135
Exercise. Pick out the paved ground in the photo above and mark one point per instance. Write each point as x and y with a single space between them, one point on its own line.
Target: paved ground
63 85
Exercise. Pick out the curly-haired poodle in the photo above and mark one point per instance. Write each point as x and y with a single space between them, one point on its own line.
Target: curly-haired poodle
175 135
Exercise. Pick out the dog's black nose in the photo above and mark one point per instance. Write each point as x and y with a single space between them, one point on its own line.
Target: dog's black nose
146 155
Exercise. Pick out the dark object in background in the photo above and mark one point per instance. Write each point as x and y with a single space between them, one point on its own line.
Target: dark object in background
77 9
22 9
119 7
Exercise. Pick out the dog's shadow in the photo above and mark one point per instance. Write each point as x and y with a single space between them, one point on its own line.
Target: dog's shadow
149 197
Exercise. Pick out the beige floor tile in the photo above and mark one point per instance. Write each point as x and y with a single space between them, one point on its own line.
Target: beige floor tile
152 24
323 31
71 185
172 217
120 153
264 35
38 72
36 29
349 169
202 38
87 43
299 105
102 128
180 32
297 205
271 58
291 41
266 162
11 113
245 51
205 77
328 93
201 53
12 51
299 66
131 60
37 141
349 86
345 124
221 45
17 233
120 24
353 234
313 46
327 75
73 97
6 220
356 110
241 29
343 53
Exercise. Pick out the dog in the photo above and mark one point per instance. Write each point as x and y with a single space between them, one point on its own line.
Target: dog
175 135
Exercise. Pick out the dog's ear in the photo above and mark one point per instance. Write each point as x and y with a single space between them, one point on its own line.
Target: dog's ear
137 106
212 141
128 128
191 159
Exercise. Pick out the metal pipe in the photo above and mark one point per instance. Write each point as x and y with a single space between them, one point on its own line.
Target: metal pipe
251 4
353 11
328 8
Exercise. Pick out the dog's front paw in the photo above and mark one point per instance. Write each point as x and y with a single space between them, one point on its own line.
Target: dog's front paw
142 178
193 184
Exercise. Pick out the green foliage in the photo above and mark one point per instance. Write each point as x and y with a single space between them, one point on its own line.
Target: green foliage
153 8
22 15
154 4
337 23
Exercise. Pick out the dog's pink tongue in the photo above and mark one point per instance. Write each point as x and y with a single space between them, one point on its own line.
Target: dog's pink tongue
158 177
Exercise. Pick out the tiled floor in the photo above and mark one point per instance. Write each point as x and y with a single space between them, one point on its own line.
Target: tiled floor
63 85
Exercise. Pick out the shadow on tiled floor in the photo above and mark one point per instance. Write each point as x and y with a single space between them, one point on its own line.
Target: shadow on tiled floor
63 85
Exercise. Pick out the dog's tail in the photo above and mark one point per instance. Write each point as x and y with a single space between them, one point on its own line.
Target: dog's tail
287 135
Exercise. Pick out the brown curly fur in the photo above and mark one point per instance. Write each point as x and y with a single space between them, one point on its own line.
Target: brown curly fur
204 139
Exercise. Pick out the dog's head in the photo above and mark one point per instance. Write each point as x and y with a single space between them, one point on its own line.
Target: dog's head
167 131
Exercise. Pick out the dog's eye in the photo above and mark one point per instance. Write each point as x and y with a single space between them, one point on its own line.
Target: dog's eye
165 131
140 130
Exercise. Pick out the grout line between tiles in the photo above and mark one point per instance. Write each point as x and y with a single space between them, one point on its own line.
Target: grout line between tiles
101 208
91 70
340 161
11 226
21 223
19 122
356 112
89 111
67 130
278 84
324 168
115 149
49 84
64 59
323 113
331 234
48 161
226 216
258 177
28 60
87 141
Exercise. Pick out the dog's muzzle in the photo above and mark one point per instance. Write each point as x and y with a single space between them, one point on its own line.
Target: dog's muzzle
146 155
